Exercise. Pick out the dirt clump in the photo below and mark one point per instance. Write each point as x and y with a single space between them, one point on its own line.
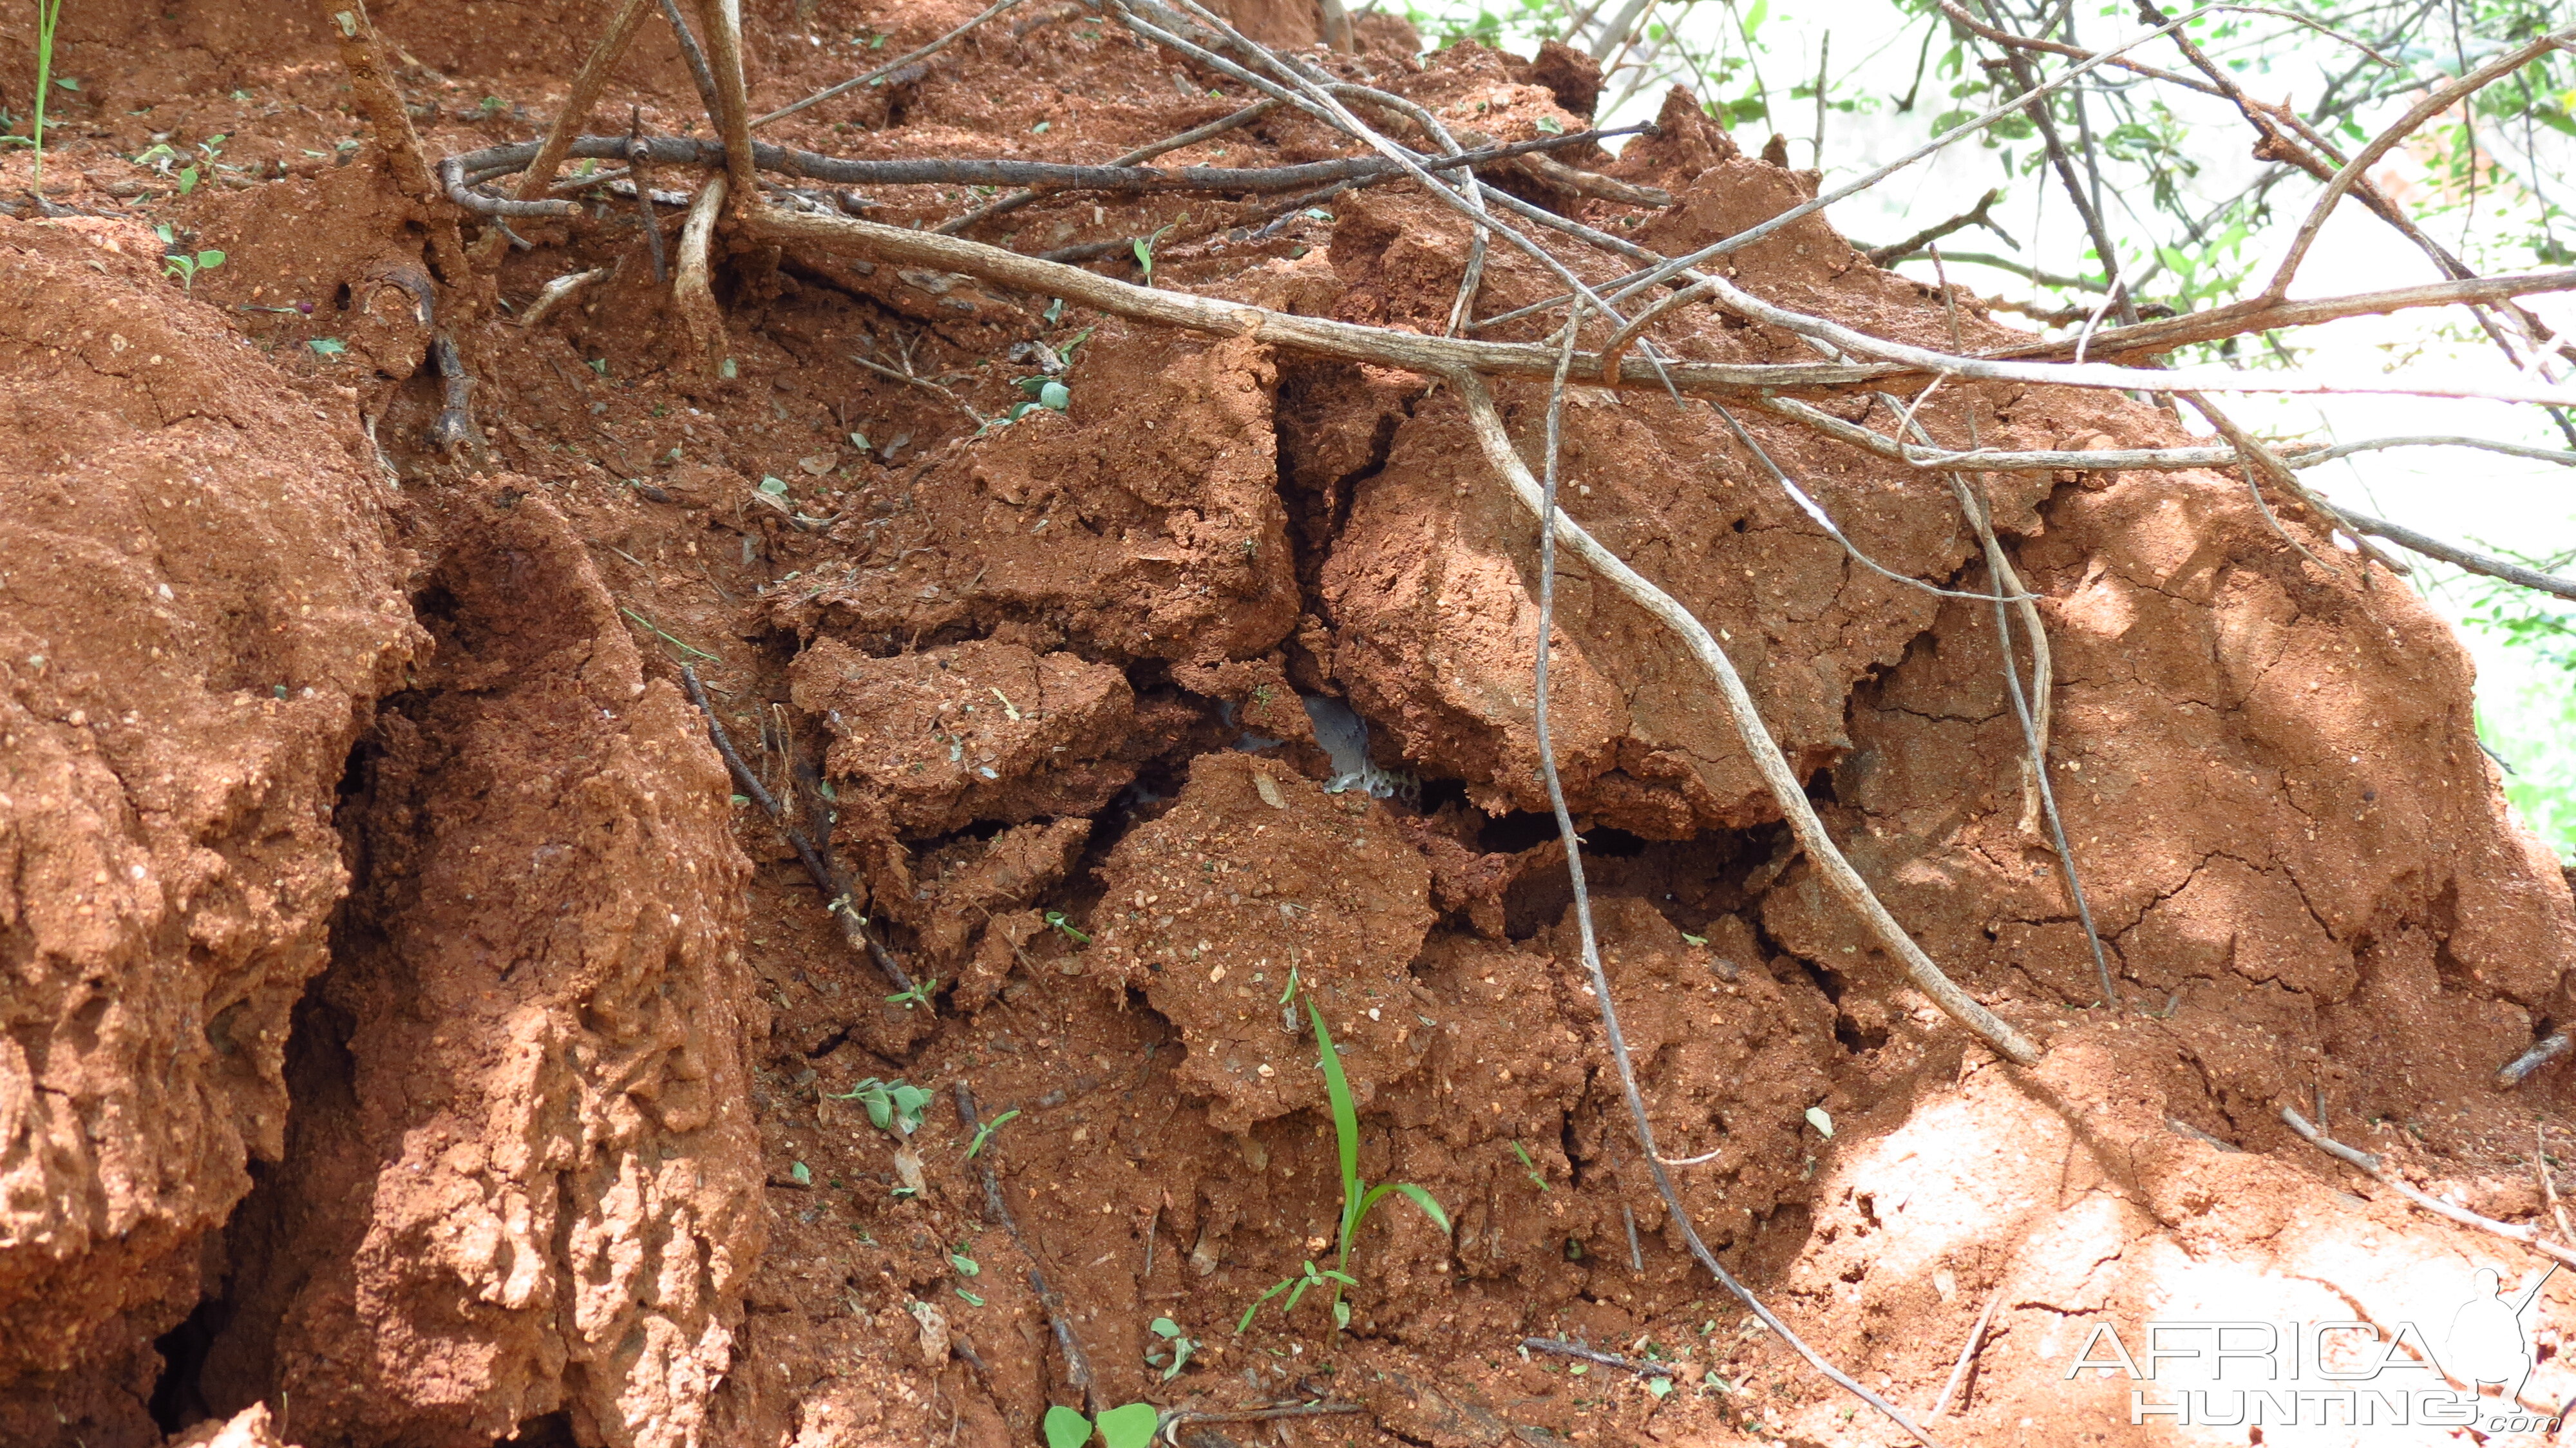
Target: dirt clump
204 608
526 1161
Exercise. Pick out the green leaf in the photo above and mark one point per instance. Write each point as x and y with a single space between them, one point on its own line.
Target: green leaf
965 1264
1824 1124
209 260
1423 1199
1066 1428
776 487
1130 1426
971 1299
1346 1116
1551 125
1055 395
1694 939
801 1174
187 180
333 347
1164 1328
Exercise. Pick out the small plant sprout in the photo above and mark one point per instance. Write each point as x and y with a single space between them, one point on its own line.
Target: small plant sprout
1055 921
918 995
185 264
894 1106
1176 1350
1358 1197
1131 1426
1296 1288
1537 1178
49 16
1144 246
984 1133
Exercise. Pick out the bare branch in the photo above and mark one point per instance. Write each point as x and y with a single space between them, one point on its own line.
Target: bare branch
2370 1166
2442 98
1786 789
1974 216
2260 314
586 86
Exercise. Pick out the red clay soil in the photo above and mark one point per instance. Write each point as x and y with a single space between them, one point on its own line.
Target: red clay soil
413 1038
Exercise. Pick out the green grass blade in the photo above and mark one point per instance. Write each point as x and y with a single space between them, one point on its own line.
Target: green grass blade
1422 1199
1346 1124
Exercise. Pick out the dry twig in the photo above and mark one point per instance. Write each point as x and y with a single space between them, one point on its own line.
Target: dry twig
2370 1165
827 877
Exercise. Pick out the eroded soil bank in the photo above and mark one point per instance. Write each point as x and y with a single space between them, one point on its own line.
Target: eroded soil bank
413 1038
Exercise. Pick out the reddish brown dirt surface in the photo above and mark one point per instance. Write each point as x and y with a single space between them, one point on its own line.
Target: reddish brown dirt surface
408 1044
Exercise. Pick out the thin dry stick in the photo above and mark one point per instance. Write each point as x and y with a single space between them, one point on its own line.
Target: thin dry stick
2543 1051
1443 355
2548 1181
1967 1355
1978 215
2370 1165
2263 459
1786 790
889 68
2255 314
640 161
2039 793
1077 1364
2459 557
1541 502
557 291
1656 275
827 878
473 168
699 70
2044 115
2114 460
1171 1426
1824 520
2442 98
586 87
1191 137
1559 1347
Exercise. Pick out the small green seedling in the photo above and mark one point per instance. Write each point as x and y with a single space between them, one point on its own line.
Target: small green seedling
965 1265
984 1133
894 1106
49 15
1358 1197
1131 1426
801 1174
1055 921
1177 1348
1296 1288
919 994
185 265
327 348
1144 247
1537 1178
